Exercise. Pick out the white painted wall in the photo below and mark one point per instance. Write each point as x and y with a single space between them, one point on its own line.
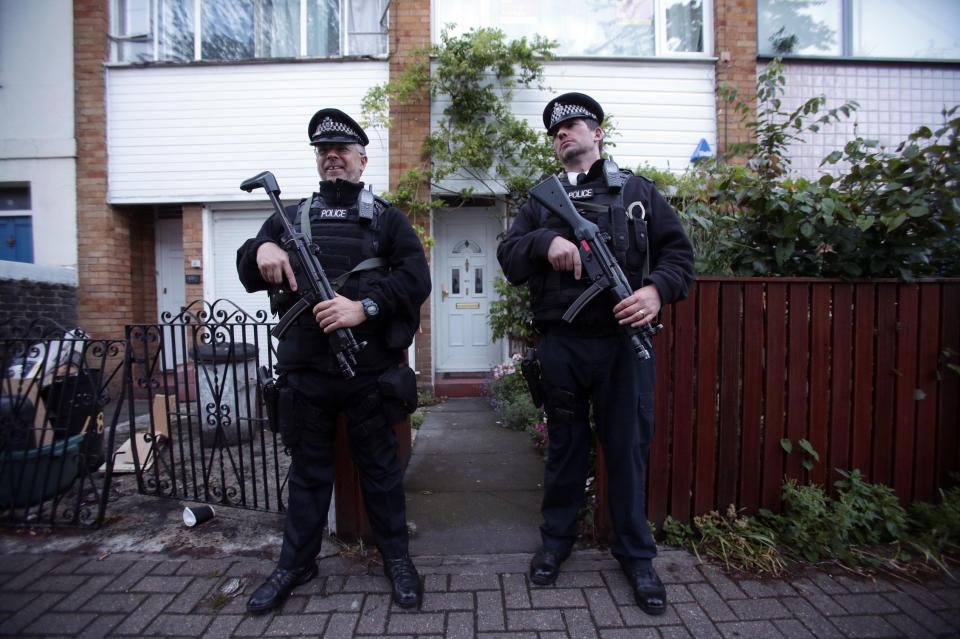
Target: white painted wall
894 102
37 143
660 109
194 133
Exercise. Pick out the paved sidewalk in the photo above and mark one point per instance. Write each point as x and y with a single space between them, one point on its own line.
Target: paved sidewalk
79 594
145 575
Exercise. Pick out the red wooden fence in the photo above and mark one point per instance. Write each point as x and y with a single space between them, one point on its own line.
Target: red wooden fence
856 368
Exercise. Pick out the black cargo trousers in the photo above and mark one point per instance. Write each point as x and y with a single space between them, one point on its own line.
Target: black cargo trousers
602 371
318 399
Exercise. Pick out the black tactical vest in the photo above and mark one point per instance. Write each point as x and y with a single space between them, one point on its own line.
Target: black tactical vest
552 292
344 238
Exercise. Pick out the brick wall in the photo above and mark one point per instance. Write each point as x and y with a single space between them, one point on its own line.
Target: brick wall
28 300
410 30
192 249
143 264
103 234
736 48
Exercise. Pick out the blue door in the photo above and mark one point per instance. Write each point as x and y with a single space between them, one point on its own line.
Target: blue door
16 239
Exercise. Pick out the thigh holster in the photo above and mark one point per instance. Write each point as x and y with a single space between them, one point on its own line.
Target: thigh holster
301 420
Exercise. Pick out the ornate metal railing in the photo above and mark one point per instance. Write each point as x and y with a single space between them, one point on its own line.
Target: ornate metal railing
60 398
204 435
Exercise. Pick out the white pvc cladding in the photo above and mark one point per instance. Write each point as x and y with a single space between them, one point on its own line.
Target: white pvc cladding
660 110
193 133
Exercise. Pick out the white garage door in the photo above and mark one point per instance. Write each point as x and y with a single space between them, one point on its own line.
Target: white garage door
231 226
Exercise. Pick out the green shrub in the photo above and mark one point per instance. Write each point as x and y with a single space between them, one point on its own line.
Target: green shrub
874 511
510 396
935 528
511 315
887 214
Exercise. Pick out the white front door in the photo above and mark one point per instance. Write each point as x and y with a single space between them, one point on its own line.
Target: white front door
466 253
171 289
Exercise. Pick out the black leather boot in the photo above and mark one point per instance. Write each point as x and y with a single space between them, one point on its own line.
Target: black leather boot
403 576
545 566
648 590
275 590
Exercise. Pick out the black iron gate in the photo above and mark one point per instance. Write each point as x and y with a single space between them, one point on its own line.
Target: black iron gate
60 399
201 434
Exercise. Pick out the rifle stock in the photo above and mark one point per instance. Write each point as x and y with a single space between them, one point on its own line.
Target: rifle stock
597 260
342 342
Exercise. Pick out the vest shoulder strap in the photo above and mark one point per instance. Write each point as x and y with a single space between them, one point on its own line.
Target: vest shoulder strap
303 212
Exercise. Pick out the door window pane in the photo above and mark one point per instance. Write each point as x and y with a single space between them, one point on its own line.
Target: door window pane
906 29
323 28
800 27
478 281
227 30
455 281
14 198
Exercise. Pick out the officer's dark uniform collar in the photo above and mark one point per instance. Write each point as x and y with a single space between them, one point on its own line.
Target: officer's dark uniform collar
595 173
339 192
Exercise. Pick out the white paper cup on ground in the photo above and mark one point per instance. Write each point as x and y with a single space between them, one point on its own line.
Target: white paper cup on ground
193 515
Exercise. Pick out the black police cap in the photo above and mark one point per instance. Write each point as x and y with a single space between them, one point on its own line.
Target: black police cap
329 126
568 107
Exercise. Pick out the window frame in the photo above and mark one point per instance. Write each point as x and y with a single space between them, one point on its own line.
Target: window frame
660 32
846 37
118 36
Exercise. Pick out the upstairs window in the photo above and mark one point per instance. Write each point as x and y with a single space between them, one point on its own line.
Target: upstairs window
867 29
217 30
601 28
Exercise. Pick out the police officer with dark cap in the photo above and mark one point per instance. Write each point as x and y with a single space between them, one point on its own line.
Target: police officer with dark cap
590 361
370 249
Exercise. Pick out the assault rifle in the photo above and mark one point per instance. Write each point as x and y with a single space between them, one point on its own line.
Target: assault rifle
597 260
318 289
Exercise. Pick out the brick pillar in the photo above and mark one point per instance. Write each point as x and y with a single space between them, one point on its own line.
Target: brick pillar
736 42
193 250
143 263
103 233
410 125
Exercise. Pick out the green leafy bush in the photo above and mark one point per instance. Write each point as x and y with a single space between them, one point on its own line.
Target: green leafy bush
510 396
887 214
510 315
935 528
864 528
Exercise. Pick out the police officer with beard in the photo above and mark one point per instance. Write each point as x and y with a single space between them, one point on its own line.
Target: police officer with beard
591 361
370 248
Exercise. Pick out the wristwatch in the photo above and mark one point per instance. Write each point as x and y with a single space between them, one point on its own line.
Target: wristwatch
370 308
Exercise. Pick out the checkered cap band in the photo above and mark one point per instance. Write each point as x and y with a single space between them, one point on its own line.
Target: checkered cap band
566 111
328 125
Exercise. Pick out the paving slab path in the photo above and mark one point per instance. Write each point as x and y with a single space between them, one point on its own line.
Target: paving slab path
473 493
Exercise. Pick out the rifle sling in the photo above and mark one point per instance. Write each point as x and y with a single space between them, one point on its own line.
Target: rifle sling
366 265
